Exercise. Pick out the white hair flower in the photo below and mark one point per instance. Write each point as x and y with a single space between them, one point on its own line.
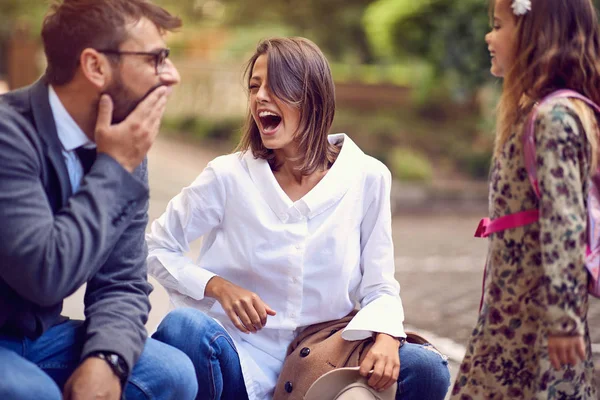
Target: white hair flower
520 7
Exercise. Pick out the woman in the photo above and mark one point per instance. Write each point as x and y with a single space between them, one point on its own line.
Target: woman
297 229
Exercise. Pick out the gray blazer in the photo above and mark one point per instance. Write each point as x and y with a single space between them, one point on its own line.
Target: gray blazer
53 241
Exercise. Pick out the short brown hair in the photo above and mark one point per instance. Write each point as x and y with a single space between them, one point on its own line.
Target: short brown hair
72 26
298 74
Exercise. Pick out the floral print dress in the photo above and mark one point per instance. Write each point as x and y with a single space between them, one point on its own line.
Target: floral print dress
536 281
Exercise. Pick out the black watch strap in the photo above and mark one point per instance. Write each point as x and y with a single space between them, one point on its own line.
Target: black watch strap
116 363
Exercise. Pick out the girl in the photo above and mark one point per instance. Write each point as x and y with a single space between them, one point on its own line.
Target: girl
297 230
531 340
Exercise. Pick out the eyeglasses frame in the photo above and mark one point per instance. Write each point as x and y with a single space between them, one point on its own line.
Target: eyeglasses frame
159 62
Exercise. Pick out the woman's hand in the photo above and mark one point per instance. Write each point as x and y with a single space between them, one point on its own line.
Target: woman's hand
383 359
244 308
564 350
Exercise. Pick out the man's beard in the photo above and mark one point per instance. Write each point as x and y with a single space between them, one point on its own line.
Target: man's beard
124 101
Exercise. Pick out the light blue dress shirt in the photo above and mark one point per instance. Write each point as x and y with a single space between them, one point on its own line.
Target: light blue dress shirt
71 137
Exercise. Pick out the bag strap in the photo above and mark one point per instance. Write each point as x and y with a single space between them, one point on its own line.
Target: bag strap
529 136
487 226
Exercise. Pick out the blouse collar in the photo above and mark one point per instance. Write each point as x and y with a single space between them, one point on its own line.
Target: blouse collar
334 185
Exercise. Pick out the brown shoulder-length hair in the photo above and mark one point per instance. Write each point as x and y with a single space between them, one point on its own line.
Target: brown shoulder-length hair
299 75
72 26
557 47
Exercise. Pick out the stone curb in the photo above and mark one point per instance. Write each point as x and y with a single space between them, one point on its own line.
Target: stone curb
449 197
448 347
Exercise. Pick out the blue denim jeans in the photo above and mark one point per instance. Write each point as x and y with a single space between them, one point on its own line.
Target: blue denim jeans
211 350
38 369
424 373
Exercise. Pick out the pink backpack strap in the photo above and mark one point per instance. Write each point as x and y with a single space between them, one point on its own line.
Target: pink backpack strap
529 133
487 226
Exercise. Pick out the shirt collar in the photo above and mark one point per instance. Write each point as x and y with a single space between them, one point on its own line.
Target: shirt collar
69 133
334 185
345 171
267 185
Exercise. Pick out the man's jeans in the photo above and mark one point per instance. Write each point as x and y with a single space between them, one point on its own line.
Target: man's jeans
424 373
38 369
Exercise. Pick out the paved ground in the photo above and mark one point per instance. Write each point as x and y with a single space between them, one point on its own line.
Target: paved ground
439 263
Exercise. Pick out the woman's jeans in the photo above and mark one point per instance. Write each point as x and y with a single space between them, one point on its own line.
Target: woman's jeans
424 373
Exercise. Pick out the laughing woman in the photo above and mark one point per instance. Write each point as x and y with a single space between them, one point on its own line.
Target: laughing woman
296 230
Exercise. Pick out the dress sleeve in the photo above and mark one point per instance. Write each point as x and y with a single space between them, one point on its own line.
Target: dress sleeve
192 213
562 172
378 293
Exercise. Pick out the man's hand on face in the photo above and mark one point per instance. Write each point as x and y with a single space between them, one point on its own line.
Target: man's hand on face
129 141
93 379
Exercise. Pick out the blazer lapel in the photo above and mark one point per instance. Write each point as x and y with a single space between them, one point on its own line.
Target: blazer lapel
46 127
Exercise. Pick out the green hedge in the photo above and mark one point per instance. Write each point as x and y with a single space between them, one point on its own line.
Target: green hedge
408 165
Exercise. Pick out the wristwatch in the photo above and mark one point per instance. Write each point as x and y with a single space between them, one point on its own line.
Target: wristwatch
116 363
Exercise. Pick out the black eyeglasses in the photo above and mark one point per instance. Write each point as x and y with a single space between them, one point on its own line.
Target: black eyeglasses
160 56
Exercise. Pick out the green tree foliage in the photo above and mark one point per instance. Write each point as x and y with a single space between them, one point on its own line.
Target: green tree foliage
334 24
13 12
448 34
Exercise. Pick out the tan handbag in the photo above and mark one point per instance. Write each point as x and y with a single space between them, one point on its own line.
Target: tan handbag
320 349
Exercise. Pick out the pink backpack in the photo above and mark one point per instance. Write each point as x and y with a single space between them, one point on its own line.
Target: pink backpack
487 226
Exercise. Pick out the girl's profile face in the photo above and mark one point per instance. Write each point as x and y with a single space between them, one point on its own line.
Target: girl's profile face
501 40
277 121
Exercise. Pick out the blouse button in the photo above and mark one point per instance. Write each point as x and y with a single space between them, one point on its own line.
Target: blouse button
304 352
289 387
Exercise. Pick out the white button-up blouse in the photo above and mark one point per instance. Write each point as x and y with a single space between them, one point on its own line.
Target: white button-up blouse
311 260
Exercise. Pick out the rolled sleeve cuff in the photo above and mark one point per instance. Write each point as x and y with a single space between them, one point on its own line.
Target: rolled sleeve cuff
193 281
564 323
383 315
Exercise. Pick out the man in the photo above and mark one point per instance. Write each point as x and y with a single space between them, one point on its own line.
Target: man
73 209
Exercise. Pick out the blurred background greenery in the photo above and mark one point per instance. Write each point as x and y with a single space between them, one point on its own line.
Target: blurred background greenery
412 77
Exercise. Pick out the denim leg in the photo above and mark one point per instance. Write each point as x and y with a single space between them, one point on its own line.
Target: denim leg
424 374
58 351
211 350
21 379
162 373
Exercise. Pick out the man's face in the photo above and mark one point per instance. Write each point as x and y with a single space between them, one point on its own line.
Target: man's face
135 76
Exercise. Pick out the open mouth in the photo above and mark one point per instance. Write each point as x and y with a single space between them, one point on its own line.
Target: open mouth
269 121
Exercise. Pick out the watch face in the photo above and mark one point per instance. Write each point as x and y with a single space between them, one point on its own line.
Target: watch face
116 363
119 363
